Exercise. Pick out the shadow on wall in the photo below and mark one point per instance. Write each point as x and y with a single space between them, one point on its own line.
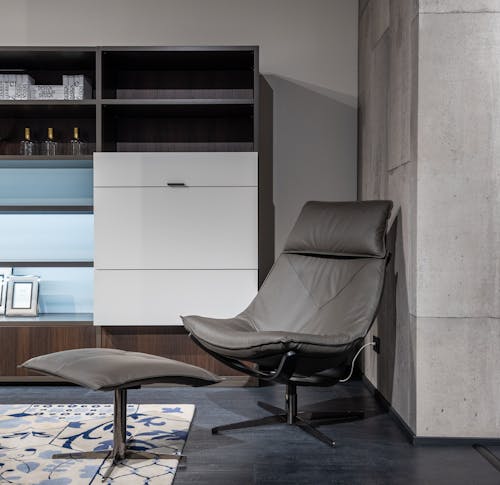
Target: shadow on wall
315 138
266 203
394 329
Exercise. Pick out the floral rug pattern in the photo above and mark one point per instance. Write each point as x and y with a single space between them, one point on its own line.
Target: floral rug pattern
31 434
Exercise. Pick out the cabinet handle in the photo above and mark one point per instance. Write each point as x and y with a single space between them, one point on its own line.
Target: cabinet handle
176 184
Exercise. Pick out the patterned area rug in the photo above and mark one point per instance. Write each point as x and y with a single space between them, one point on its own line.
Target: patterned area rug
30 434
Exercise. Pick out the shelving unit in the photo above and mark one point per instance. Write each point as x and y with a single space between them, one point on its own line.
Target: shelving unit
179 99
47 65
144 99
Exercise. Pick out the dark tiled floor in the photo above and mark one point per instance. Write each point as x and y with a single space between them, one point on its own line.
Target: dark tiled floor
373 451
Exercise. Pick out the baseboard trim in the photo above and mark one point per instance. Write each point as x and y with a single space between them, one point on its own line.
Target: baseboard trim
425 440
458 441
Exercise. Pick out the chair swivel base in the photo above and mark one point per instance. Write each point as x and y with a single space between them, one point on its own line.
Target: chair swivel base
305 420
119 452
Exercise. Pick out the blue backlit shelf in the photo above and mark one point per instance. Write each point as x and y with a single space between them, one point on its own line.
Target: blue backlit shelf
17 161
46 209
50 318
48 264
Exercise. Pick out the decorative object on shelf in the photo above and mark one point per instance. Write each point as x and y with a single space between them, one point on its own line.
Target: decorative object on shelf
77 146
22 87
5 273
15 86
27 146
46 92
22 296
77 87
49 145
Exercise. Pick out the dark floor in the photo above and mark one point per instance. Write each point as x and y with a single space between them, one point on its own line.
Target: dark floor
368 452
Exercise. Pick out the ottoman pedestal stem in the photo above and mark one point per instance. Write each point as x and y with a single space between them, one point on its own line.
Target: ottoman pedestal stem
119 452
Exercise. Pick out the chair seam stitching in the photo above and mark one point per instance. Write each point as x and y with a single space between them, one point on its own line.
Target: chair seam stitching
345 286
302 283
279 342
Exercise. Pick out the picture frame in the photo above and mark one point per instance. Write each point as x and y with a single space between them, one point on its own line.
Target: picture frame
22 296
5 274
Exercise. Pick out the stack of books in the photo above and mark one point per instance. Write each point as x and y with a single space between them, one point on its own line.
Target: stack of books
22 87
15 86
77 87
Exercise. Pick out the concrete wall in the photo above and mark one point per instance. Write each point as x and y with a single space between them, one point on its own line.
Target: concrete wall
458 219
388 170
308 55
440 164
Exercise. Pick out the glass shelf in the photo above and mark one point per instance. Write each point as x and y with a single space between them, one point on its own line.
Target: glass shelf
47 264
40 161
50 318
46 209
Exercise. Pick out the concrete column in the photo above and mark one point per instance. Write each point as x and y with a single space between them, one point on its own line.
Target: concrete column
458 209
429 140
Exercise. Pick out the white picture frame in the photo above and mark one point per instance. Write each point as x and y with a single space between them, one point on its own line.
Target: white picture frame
5 274
22 296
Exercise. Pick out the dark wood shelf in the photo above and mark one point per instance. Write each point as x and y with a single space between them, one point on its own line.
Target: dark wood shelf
49 112
47 264
182 147
177 101
47 102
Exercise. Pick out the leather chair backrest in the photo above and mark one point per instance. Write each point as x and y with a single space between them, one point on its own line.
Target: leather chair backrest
341 229
329 279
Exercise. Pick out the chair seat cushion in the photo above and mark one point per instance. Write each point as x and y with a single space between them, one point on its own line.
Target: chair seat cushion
236 337
106 369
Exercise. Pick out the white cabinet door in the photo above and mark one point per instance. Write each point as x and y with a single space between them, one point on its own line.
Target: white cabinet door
159 297
158 169
176 228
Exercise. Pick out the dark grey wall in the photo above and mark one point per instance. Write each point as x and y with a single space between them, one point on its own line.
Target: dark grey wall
315 133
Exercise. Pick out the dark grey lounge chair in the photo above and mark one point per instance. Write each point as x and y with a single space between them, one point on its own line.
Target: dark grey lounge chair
313 310
117 370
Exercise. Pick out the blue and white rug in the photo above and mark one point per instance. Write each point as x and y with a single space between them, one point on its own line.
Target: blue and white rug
31 434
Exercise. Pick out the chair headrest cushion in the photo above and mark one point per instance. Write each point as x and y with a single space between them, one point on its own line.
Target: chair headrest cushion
341 229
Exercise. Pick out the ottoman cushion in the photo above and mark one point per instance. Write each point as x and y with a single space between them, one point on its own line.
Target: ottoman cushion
107 369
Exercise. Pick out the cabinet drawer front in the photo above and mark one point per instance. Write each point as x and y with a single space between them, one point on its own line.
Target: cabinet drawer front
176 228
159 169
159 297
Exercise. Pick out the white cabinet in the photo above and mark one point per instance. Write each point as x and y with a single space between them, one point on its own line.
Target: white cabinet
146 297
176 228
216 169
164 249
